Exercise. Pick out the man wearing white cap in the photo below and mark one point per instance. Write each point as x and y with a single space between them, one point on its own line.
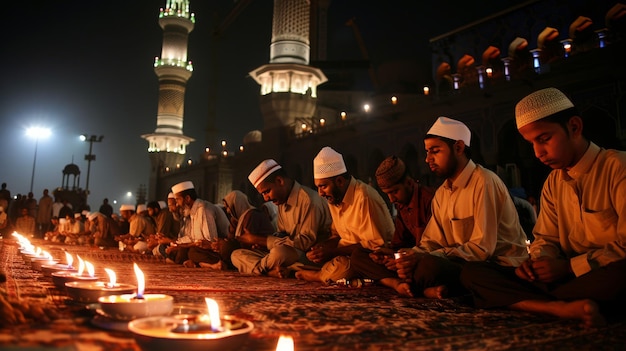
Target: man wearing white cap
577 261
473 219
361 219
204 225
174 210
77 233
104 229
303 220
139 229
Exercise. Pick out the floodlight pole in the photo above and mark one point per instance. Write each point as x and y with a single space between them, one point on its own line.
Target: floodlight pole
90 156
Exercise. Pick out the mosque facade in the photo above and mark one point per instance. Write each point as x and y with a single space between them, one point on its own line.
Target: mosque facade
479 72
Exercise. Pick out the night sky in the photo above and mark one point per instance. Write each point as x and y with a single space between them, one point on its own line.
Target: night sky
85 67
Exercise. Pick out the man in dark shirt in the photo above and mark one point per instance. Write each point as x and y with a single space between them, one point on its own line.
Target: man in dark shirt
105 208
413 203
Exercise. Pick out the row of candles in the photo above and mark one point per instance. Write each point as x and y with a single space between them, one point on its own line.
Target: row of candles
123 302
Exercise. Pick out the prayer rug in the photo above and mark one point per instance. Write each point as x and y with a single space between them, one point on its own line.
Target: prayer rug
318 317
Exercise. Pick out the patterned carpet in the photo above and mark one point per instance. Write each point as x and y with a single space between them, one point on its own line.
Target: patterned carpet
318 317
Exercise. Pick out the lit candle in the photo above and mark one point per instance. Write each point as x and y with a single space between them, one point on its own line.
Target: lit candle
90 291
489 71
426 90
139 305
285 343
69 259
45 259
141 281
90 269
81 265
214 314
112 277
528 246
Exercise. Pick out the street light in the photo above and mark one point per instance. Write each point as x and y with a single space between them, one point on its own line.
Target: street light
36 132
90 157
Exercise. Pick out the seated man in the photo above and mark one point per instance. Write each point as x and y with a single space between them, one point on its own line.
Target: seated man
140 227
473 219
205 223
303 220
244 218
104 230
577 261
413 203
361 219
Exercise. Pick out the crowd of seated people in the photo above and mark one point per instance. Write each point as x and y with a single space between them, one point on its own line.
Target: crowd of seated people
467 238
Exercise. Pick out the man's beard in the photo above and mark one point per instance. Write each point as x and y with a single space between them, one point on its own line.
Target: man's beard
450 168
337 196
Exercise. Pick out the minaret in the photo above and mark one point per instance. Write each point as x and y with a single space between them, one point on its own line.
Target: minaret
288 83
167 145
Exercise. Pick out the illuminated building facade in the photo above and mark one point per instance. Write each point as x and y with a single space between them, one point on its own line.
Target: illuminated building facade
478 75
167 145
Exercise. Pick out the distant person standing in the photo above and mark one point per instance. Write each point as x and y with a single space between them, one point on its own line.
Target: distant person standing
44 213
5 197
105 208
31 204
25 223
56 206
4 221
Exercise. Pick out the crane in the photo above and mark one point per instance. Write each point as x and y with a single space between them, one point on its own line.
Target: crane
359 39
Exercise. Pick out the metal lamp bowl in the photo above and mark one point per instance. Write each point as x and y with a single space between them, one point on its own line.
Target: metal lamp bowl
61 277
89 292
158 334
129 307
47 270
36 263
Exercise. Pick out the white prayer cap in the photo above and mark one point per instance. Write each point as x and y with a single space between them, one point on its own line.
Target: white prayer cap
328 163
182 186
262 171
141 208
127 207
451 129
162 204
540 104
171 195
93 215
77 215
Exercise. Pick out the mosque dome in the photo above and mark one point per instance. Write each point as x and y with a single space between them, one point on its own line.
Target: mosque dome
254 136
71 169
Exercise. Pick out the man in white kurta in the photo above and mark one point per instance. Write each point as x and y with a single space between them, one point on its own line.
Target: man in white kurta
577 261
361 219
473 217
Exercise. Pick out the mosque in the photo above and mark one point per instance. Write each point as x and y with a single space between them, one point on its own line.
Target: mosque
479 72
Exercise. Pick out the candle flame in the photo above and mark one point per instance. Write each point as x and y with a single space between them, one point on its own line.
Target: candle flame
141 281
81 265
38 251
69 259
285 343
112 277
214 313
47 255
90 269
